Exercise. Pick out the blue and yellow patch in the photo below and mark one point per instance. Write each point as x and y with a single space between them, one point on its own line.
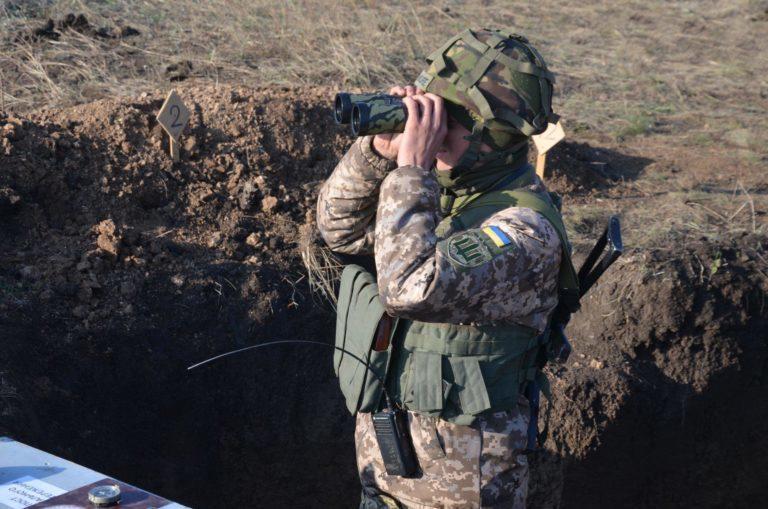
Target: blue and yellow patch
497 236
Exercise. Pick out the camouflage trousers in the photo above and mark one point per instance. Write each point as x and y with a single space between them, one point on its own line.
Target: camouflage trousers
480 465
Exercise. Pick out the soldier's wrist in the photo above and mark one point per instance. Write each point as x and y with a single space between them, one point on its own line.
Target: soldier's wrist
373 157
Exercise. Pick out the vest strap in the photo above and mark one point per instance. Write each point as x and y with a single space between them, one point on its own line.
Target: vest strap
462 340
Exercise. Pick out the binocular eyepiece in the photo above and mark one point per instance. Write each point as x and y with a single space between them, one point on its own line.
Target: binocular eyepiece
370 113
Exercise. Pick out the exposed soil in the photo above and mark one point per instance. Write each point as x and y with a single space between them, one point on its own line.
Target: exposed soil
52 29
119 268
662 405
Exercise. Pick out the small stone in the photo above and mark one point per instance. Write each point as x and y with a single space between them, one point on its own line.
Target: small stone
214 240
269 203
108 240
80 311
83 266
191 146
248 196
13 132
253 240
177 279
596 364
46 294
9 200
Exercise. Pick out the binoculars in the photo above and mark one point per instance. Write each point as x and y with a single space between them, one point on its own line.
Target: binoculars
370 113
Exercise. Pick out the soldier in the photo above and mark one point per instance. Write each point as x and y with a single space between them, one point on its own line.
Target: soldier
468 247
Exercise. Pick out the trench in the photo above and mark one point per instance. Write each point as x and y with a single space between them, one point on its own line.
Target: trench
120 269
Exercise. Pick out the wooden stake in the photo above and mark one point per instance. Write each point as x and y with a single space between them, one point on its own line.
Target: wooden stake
541 161
173 116
174 149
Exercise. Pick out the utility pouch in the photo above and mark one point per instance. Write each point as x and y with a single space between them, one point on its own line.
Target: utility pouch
360 318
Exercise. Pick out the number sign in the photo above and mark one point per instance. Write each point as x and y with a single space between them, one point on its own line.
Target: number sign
173 115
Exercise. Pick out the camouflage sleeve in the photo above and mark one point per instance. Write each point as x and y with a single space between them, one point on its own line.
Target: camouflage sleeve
346 206
505 270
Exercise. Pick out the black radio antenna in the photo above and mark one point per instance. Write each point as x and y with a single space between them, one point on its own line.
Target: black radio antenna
301 341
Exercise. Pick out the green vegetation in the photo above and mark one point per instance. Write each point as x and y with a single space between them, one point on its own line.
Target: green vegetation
635 125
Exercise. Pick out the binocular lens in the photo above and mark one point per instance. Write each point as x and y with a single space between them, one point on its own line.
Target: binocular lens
342 108
359 117
342 105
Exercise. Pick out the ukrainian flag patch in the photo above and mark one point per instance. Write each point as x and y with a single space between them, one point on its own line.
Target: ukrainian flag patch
497 236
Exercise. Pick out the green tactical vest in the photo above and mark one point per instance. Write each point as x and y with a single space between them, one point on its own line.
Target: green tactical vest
449 370
460 371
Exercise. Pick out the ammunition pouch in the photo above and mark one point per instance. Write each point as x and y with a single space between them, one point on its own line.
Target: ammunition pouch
359 314
459 371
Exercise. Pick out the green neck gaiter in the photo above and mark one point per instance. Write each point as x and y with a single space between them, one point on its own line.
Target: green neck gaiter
483 177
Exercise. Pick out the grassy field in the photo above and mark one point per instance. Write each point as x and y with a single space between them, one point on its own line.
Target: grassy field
693 70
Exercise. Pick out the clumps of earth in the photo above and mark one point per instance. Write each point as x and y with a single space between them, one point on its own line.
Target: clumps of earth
52 29
120 268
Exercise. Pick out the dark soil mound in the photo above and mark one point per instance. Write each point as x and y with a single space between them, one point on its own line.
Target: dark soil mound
575 168
118 269
76 22
663 403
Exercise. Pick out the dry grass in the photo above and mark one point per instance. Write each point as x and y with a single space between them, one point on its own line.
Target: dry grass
667 220
323 267
624 68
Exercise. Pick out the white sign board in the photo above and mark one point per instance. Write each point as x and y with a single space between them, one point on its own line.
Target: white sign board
30 477
26 491
549 138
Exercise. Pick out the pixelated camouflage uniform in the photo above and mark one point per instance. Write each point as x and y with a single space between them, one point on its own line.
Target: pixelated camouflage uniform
367 206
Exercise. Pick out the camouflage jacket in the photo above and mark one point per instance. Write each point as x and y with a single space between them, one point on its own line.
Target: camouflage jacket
368 206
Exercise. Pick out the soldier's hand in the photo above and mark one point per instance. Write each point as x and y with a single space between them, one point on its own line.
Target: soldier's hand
386 145
425 130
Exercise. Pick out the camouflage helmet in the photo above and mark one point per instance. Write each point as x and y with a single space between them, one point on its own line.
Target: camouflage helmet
494 83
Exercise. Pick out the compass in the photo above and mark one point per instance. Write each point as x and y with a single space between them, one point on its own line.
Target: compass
102 496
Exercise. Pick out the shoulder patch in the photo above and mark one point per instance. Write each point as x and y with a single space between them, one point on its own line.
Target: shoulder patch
468 249
497 236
